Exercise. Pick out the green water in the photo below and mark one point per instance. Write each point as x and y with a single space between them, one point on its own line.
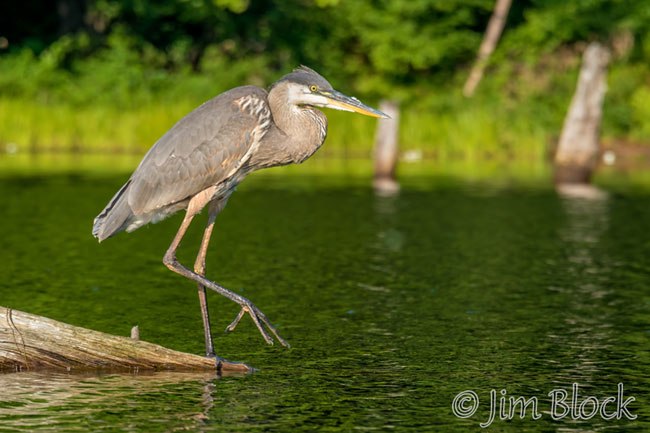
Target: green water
392 305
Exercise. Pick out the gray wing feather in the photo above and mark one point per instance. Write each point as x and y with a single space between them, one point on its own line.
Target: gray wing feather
199 151
111 219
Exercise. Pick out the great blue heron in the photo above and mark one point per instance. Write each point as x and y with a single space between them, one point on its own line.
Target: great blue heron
202 158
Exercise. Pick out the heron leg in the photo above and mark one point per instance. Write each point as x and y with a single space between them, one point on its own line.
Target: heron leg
199 267
246 306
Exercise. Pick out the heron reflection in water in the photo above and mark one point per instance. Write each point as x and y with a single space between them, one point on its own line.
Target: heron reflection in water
202 158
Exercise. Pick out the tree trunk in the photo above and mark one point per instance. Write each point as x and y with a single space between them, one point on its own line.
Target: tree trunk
489 43
577 151
71 14
30 342
386 148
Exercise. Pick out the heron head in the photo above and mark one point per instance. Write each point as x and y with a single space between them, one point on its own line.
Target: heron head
304 86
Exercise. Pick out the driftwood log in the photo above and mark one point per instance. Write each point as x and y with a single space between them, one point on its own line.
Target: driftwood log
28 342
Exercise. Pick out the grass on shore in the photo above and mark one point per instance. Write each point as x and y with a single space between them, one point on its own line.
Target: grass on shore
471 132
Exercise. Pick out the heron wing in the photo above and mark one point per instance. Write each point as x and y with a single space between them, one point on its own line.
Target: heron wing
204 148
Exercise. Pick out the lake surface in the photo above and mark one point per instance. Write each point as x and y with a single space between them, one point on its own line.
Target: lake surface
393 305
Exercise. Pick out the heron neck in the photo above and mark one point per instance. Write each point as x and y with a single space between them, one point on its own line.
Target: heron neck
304 128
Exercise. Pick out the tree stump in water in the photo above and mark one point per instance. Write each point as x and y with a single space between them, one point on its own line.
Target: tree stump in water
577 151
28 341
386 148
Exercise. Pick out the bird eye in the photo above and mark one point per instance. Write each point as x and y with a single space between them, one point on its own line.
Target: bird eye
313 87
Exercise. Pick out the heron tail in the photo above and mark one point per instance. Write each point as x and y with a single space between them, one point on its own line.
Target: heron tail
114 217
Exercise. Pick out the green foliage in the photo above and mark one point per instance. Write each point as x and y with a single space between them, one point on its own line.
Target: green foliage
452 130
131 68
397 44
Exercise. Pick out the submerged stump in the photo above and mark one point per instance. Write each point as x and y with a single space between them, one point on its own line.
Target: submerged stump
28 341
577 152
387 148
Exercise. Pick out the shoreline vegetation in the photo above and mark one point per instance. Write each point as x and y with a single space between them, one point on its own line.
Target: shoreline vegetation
475 133
116 75
332 170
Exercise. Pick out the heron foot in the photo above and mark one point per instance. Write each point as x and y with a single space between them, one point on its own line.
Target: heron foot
213 356
259 319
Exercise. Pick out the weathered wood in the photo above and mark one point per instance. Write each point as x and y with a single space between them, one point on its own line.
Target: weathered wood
489 43
577 151
387 148
28 341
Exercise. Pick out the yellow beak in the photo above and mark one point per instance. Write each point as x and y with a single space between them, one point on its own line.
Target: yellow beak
339 101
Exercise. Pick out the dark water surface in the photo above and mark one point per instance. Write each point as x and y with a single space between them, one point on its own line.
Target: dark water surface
393 305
